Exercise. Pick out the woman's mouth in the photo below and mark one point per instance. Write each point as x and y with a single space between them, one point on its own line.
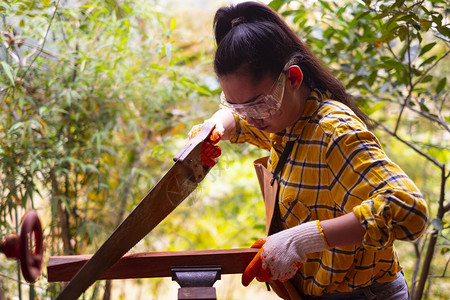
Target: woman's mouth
258 123
262 127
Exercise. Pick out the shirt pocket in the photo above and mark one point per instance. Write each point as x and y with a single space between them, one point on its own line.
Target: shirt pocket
293 212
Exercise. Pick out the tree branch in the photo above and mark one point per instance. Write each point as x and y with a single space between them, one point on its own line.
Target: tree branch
429 69
411 86
442 205
446 208
412 146
62 213
45 39
421 113
430 117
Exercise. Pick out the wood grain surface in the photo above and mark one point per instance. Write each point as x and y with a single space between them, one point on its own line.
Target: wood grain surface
153 264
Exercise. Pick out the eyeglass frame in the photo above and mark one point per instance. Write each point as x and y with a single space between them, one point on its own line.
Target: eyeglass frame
271 102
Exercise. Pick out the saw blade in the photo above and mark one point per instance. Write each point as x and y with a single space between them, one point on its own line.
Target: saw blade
180 181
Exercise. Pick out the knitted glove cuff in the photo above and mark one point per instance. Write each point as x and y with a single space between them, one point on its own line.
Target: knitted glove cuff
308 237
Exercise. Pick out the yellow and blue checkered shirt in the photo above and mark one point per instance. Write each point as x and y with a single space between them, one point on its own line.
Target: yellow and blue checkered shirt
337 166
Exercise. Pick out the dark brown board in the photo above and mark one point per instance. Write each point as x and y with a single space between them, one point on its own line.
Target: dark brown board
153 264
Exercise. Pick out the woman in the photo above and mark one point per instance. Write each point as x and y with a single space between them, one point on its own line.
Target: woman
340 202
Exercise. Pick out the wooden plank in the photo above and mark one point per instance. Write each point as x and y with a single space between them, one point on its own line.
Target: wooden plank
153 264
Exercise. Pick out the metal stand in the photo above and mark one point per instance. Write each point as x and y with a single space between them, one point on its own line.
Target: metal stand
196 282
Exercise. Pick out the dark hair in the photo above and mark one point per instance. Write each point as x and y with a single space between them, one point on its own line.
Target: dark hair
253 35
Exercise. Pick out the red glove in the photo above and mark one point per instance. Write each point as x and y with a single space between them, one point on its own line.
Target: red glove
210 152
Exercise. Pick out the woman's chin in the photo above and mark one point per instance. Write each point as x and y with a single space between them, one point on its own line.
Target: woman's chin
262 128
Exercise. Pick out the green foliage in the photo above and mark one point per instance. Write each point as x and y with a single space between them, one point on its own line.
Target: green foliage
393 58
91 94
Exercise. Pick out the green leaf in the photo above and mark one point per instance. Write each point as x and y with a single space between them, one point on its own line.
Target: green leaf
390 35
392 22
326 5
127 8
441 85
406 18
143 173
361 14
380 16
403 33
437 19
157 67
340 46
424 108
427 78
16 125
391 63
354 81
375 108
428 60
201 89
8 71
276 4
398 3
427 48
426 24
444 30
66 201
372 77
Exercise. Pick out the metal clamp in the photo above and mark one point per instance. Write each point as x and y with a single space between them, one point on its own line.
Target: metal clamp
196 282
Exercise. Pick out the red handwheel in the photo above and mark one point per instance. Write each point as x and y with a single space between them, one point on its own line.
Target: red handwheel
31 259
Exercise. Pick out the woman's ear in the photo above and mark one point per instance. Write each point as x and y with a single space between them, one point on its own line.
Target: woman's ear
295 76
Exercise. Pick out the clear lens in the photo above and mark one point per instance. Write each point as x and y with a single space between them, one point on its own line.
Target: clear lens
264 109
264 106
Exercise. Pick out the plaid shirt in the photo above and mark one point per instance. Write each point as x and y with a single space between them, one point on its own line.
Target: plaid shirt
337 167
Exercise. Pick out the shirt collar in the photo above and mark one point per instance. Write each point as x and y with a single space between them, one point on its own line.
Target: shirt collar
312 104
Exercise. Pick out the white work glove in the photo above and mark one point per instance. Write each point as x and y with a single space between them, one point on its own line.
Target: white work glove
282 253
210 152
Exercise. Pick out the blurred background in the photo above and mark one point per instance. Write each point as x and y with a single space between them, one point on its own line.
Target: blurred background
96 97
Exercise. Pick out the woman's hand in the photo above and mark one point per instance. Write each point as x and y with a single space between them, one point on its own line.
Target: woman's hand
216 134
282 254
210 152
225 129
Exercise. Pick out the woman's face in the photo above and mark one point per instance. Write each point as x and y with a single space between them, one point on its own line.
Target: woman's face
239 88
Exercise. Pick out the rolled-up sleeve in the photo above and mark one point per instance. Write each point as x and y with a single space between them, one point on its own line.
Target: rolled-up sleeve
365 181
246 133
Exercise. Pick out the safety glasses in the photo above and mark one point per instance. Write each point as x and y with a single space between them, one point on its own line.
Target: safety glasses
264 106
